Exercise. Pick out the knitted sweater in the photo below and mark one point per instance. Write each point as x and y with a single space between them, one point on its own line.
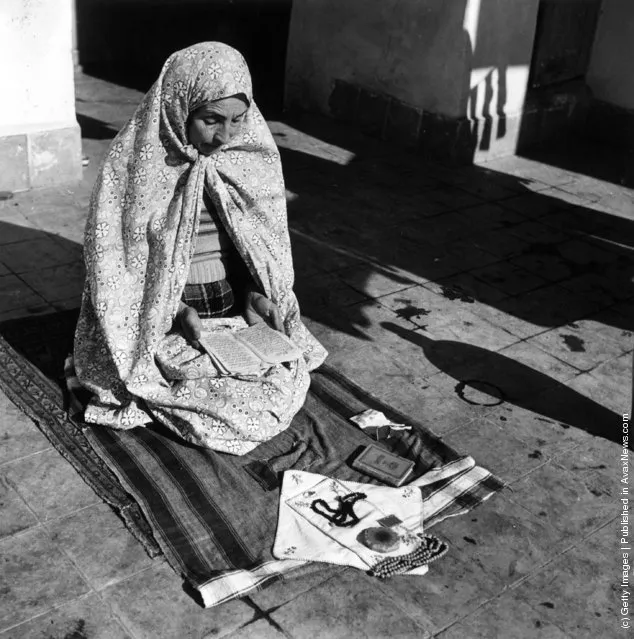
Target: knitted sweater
214 248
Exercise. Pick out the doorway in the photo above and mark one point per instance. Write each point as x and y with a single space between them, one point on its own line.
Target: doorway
563 41
127 41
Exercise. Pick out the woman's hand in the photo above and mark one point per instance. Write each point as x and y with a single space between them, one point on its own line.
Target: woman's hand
190 324
259 308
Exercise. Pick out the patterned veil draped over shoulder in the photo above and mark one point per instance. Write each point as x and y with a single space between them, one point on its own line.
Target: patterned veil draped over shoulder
139 241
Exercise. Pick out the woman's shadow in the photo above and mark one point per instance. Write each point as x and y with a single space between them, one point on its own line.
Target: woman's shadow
499 379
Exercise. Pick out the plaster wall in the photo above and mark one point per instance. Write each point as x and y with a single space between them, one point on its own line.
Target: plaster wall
37 74
426 53
610 74
40 141
416 51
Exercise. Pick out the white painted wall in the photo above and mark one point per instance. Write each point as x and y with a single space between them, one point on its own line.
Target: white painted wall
36 68
611 72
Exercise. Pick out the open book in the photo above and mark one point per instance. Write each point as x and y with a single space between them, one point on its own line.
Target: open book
248 351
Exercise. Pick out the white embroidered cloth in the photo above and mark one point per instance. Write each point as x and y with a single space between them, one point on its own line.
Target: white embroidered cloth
306 535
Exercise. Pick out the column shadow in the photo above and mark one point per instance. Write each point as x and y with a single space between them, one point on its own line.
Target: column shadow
506 380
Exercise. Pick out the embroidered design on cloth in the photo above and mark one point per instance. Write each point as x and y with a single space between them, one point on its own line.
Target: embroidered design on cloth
143 219
306 535
344 514
430 549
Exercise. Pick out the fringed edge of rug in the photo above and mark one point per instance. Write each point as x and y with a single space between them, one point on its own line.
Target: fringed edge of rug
40 399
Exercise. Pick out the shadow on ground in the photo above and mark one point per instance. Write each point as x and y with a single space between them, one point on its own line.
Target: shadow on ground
615 165
505 380
539 255
435 248
529 258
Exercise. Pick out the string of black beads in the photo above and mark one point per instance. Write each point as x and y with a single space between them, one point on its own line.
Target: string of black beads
429 550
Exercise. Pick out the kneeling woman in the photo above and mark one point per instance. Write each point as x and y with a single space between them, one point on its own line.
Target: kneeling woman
188 221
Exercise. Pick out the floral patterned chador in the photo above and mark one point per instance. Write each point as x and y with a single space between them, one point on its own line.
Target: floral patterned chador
140 236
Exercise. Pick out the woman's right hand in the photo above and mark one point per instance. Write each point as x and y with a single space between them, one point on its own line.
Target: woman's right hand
190 324
258 308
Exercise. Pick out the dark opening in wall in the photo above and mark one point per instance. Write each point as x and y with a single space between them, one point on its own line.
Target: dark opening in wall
127 41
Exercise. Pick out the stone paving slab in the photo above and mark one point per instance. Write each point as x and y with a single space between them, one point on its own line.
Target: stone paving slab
82 618
614 394
453 199
509 277
259 629
35 577
567 196
539 360
523 542
525 168
34 477
495 448
347 606
616 374
18 296
584 344
57 283
16 515
572 502
453 588
505 616
19 436
153 605
282 592
14 227
547 434
539 310
32 255
375 283
99 544
535 205
577 591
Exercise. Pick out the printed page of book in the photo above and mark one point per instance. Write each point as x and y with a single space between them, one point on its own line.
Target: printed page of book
234 356
270 345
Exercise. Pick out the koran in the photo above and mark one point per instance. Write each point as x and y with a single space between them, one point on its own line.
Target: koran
248 351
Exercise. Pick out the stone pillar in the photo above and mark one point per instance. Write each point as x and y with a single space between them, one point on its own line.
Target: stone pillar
40 140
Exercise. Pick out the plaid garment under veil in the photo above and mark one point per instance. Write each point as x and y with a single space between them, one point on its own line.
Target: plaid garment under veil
212 299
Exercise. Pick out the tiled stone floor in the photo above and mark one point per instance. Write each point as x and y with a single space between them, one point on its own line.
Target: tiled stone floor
494 303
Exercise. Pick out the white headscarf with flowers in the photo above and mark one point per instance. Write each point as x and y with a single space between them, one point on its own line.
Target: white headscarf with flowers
143 219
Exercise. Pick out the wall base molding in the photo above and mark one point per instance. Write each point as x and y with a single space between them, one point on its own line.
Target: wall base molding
40 158
611 124
547 117
452 140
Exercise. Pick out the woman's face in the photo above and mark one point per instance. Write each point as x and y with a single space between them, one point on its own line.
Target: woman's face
215 123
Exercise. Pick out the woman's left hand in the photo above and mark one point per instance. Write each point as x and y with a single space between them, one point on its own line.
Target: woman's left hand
259 308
